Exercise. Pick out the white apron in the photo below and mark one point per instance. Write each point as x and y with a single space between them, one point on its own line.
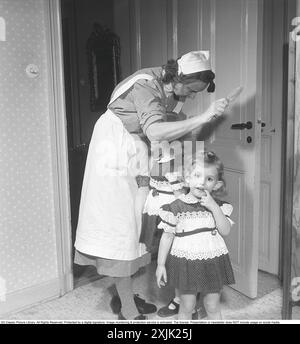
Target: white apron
107 225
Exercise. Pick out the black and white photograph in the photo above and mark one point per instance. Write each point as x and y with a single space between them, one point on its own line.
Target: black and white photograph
123 125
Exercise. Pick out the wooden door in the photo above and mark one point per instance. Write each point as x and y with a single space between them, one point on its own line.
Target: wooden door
237 51
232 31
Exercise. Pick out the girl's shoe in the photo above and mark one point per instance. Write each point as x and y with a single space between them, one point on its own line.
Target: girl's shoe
139 317
168 311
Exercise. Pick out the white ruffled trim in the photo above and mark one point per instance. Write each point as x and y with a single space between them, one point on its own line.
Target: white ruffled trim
154 203
199 255
226 209
166 228
160 185
172 176
168 217
189 198
194 215
177 186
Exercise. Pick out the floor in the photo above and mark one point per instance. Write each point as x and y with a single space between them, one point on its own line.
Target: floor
91 301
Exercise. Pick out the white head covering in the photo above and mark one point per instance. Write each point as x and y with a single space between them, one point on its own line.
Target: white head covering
194 62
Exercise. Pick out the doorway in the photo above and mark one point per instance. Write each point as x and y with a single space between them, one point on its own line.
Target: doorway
77 20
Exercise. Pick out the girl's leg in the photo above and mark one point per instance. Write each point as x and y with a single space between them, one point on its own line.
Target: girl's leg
187 306
177 296
212 306
125 291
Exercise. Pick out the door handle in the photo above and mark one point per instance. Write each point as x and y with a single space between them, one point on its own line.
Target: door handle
242 126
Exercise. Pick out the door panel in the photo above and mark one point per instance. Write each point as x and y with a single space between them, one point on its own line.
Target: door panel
188 35
235 43
235 182
153 32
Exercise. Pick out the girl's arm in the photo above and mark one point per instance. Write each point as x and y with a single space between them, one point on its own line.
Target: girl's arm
222 223
164 247
163 251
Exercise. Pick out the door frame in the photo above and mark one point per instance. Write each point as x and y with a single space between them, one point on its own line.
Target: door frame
287 209
59 147
58 127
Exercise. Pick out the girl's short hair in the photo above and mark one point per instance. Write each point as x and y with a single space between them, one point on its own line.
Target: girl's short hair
208 158
171 75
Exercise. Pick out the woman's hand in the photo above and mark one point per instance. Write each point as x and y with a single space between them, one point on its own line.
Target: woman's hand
161 275
208 202
216 109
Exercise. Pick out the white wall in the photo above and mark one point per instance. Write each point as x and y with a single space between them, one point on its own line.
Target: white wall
28 254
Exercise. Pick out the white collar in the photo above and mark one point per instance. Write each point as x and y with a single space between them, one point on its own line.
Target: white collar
189 198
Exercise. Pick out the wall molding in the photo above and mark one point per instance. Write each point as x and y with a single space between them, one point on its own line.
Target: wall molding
29 297
58 132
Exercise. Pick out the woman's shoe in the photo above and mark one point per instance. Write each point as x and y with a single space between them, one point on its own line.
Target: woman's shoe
142 306
139 317
195 315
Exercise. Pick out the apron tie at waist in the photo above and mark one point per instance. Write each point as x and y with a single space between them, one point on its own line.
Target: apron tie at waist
198 230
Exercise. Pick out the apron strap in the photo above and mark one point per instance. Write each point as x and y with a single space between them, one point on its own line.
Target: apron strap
122 89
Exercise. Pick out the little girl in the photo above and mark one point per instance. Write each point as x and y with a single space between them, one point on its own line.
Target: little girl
193 228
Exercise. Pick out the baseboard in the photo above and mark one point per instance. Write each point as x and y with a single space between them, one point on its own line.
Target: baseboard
25 298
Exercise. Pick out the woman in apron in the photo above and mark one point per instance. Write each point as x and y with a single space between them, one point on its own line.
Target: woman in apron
116 178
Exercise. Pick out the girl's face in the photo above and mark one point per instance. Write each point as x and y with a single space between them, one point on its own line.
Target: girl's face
189 90
203 178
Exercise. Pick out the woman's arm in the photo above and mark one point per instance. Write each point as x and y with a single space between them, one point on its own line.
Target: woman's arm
170 131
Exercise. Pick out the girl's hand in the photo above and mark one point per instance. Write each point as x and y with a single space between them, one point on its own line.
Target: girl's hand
161 275
208 202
